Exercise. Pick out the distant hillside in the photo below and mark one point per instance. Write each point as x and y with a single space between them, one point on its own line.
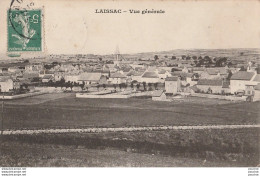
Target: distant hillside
240 55
232 54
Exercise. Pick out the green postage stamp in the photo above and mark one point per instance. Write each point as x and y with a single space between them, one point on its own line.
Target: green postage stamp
24 30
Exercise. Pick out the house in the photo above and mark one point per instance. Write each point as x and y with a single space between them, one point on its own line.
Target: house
59 75
172 85
217 86
89 77
214 73
70 78
46 72
117 78
256 96
13 69
158 95
6 83
136 75
163 74
47 78
187 78
197 70
150 77
239 80
103 80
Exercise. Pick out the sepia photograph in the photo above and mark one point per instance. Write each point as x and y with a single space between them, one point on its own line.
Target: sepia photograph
111 83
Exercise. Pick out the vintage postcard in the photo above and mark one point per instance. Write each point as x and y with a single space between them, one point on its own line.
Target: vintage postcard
130 83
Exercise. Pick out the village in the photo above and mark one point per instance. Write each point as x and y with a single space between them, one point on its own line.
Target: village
162 78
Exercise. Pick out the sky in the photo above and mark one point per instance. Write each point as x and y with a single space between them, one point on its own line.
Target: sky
73 27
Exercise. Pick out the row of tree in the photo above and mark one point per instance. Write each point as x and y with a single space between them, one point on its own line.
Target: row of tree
70 85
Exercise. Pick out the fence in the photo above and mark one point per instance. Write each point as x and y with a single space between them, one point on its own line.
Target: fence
222 97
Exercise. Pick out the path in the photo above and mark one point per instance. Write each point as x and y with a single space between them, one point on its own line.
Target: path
126 129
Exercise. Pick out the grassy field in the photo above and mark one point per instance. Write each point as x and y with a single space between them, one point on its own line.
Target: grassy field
215 148
64 110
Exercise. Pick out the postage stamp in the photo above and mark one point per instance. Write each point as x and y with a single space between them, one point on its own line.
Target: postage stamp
24 30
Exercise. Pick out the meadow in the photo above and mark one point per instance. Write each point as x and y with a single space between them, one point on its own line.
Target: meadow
175 148
66 111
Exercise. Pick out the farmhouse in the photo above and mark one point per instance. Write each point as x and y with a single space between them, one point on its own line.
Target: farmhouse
150 77
214 73
71 78
47 78
117 78
158 95
239 80
89 78
217 86
172 85
6 84
257 93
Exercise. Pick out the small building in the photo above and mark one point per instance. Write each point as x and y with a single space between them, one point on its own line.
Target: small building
6 84
172 85
117 78
256 96
217 86
70 78
158 95
239 80
47 78
150 77
89 78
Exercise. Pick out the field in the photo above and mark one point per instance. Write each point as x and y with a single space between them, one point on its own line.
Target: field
64 110
193 148
176 148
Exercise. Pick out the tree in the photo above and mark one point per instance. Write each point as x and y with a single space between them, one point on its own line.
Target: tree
221 62
71 86
242 68
194 57
100 59
173 57
138 86
50 82
132 85
82 85
150 86
209 90
258 69
144 84
155 86
188 58
183 57
104 86
229 74
156 57
114 86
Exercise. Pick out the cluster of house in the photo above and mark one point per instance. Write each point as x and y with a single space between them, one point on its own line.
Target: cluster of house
217 80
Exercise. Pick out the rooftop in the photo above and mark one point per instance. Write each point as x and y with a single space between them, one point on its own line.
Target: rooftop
242 75
257 78
118 75
89 76
174 78
149 74
210 82
157 93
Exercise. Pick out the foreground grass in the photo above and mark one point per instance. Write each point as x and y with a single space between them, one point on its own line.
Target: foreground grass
229 147
69 111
